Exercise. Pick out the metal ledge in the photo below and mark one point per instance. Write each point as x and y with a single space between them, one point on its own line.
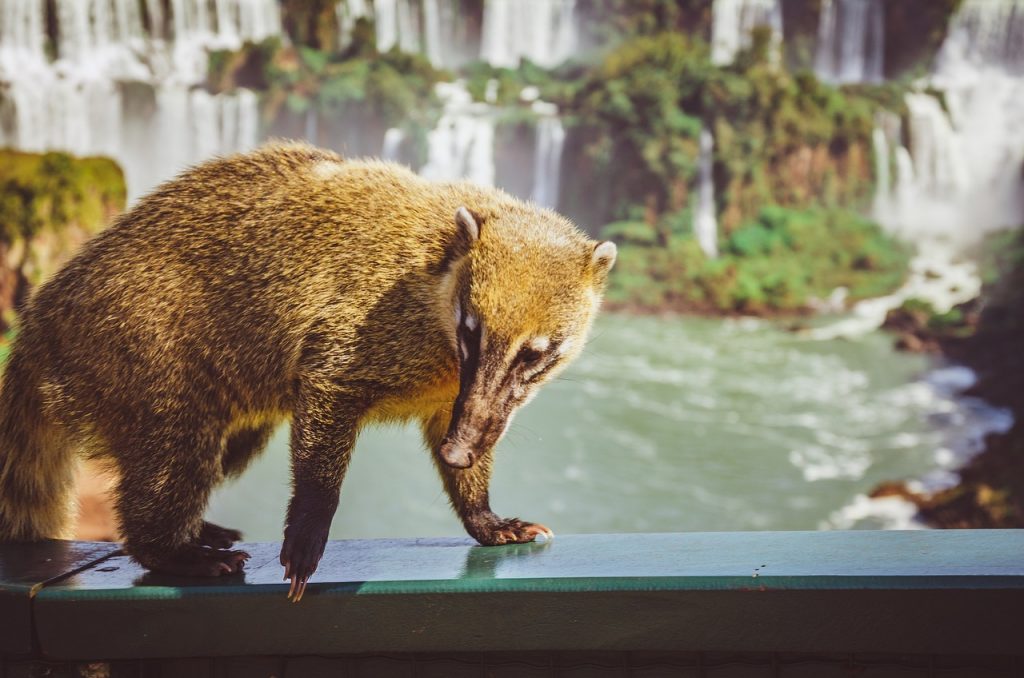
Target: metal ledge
927 592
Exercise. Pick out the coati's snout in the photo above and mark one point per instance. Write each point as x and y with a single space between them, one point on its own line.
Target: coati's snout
479 418
482 408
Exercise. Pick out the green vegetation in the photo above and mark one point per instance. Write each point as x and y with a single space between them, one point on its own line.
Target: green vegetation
49 205
358 83
47 192
611 20
792 158
775 262
780 139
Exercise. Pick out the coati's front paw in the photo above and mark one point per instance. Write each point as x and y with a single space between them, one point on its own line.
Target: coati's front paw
300 554
194 561
509 531
217 537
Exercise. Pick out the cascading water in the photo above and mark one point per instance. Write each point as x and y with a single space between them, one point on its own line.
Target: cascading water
733 22
462 144
980 70
543 31
119 89
411 25
851 41
393 139
705 224
962 175
547 155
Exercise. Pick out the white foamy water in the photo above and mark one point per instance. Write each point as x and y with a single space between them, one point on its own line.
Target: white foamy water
960 177
705 223
462 143
543 31
938 274
547 164
851 41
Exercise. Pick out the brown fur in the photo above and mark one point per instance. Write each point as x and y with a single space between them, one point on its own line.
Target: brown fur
285 283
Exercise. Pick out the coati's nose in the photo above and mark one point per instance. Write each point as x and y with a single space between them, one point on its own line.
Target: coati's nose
457 455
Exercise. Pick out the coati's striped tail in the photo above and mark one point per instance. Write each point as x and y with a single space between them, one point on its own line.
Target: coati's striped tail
36 466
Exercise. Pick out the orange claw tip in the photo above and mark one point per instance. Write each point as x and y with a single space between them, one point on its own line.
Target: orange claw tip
538 530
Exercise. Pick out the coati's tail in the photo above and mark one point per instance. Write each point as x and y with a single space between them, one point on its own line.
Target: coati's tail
36 465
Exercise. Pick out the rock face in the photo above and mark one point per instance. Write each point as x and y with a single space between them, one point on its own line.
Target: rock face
987 336
50 204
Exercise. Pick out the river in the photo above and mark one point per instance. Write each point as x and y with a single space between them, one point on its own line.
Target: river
674 424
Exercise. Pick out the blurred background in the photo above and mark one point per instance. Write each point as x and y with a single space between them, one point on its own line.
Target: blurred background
815 319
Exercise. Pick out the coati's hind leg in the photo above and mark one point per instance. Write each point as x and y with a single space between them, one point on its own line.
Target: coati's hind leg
242 447
161 497
217 537
468 492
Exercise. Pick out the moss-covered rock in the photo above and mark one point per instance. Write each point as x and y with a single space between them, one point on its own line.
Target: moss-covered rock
990 493
49 205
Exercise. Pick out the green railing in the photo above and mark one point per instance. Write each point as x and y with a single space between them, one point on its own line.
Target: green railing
763 603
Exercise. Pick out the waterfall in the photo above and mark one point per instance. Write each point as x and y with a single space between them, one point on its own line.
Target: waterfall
547 158
851 41
462 144
883 189
962 175
886 141
393 139
543 31
115 88
733 22
705 224
397 22
432 40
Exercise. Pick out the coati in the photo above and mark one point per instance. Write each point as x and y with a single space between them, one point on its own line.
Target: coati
287 283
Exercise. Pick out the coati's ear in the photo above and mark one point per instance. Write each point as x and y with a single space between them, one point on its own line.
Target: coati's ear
602 259
467 232
469 225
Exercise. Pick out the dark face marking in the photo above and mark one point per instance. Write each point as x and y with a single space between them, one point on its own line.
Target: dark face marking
490 389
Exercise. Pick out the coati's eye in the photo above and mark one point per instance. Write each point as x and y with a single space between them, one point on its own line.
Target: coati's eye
528 356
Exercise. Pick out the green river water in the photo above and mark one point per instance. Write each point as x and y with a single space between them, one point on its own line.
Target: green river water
673 424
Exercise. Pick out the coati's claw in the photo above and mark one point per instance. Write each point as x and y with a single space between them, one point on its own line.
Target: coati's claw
513 531
300 555
539 530
217 537
196 561
297 588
